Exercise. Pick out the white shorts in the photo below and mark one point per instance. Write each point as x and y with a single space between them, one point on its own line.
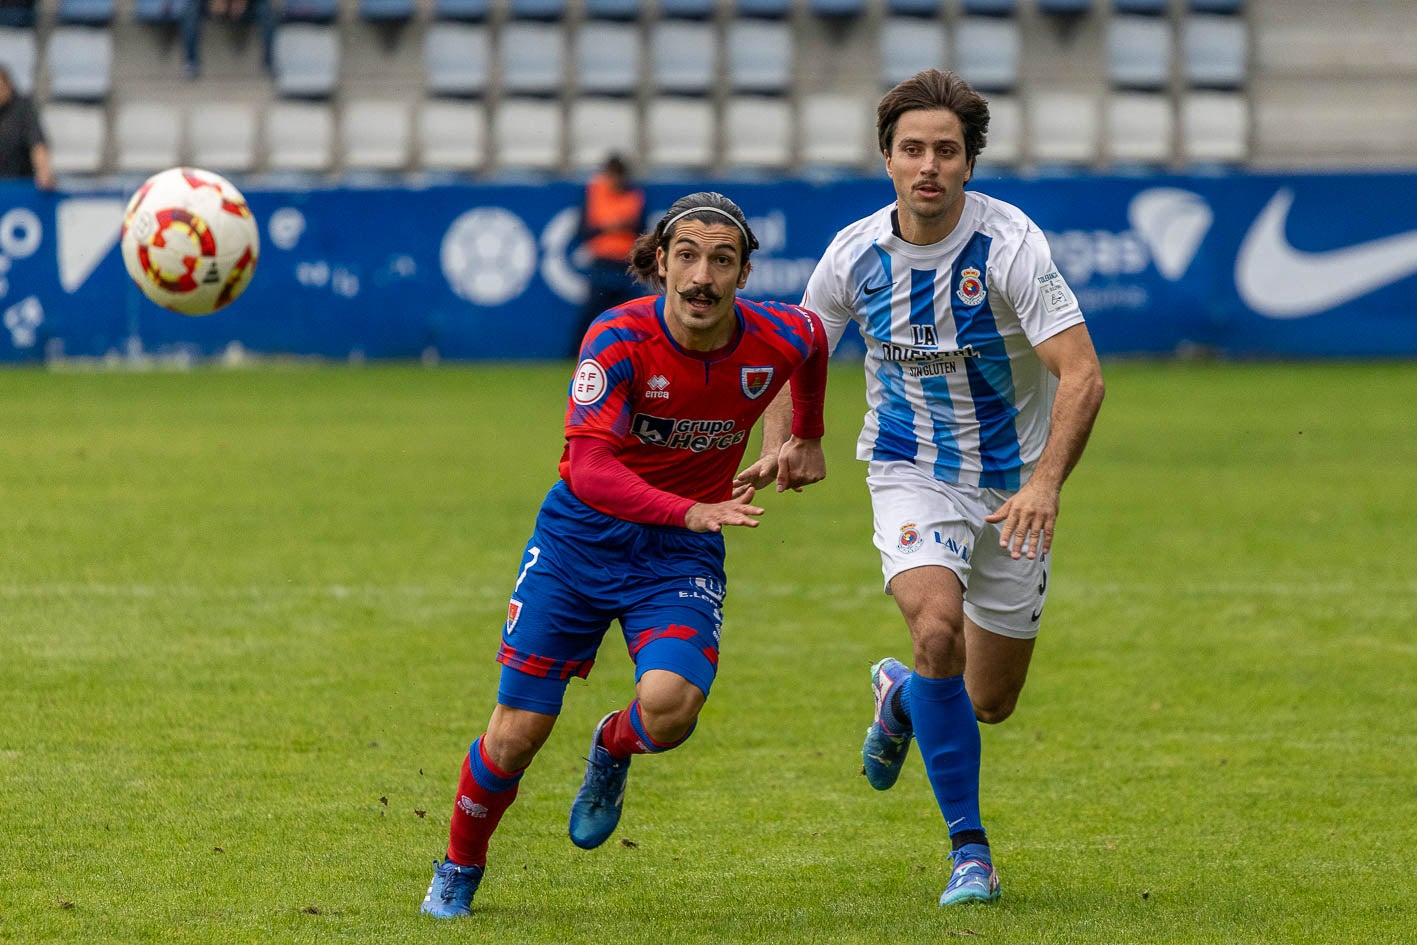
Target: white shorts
923 521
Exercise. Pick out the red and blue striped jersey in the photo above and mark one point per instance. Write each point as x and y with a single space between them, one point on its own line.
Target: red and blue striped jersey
680 419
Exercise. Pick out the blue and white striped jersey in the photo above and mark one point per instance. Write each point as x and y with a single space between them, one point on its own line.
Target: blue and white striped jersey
952 381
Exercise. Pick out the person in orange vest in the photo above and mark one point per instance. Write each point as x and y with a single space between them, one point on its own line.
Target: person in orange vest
612 216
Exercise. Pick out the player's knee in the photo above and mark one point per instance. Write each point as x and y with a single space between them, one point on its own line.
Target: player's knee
938 648
992 711
670 712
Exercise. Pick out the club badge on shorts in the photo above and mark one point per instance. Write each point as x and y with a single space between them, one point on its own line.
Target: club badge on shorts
909 538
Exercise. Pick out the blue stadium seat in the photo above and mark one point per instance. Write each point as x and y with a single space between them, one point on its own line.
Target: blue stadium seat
80 63
837 9
457 58
1064 7
19 53
686 9
607 58
306 60
17 13
907 45
986 52
1147 7
612 9
310 11
1214 48
532 58
770 9
1138 52
470 10
536 9
683 56
93 12
1216 6
386 11
913 7
989 7
157 12
760 56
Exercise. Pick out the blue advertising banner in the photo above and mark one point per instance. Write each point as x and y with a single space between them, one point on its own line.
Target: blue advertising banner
1252 265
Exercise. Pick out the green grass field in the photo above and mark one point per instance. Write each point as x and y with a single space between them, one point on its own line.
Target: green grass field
247 626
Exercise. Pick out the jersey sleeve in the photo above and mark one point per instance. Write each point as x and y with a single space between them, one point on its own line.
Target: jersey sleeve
809 384
598 402
600 480
827 295
1037 290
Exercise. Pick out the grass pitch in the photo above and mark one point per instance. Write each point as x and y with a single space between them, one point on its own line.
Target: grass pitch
247 623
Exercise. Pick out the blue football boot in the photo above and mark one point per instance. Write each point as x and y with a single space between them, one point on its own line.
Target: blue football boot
884 751
450 893
596 810
973 879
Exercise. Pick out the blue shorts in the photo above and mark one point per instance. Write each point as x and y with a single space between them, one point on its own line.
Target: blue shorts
583 569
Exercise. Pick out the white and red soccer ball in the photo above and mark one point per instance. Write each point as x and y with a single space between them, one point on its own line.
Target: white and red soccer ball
189 240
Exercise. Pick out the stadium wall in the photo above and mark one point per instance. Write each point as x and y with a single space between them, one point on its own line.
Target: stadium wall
1242 265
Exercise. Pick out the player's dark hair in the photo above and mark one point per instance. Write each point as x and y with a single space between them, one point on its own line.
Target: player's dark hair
704 207
933 89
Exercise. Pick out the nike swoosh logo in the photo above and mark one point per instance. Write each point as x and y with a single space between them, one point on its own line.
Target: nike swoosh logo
1279 281
873 289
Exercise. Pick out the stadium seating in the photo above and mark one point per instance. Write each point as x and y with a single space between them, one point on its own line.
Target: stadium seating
92 12
147 137
306 60
906 45
1214 51
532 58
757 133
310 11
775 9
78 137
1145 7
607 58
18 54
375 135
687 9
1003 150
1064 7
1064 130
157 12
837 130
684 57
837 9
601 126
611 9
989 7
222 136
1139 129
1215 6
986 53
913 7
526 135
760 56
1138 52
386 11
536 9
80 63
452 136
468 10
1215 127
457 58
300 137
683 133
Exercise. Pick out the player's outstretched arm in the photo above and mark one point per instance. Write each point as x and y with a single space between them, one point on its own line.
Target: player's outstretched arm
777 427
800 462
712 516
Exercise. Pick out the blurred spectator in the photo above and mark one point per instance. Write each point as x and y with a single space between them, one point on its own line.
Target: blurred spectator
195 12
23 150
17 12
612 216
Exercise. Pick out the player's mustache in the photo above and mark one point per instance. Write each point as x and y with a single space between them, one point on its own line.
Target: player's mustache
706 294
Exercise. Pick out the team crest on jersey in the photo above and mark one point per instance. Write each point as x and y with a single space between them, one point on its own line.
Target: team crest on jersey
755 381
971 287
589 383
514 610
909 538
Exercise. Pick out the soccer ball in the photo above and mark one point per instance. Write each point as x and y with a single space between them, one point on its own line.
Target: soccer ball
189 240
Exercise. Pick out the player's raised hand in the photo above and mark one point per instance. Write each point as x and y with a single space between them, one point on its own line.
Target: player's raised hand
1028 516
759 475
800 463
711 517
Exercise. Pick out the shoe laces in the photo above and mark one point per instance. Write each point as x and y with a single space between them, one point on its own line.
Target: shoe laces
457 879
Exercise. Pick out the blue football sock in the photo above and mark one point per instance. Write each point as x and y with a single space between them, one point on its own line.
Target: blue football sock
948 736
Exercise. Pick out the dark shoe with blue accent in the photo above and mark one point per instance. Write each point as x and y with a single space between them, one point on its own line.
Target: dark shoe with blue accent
884 751
595 812
450 893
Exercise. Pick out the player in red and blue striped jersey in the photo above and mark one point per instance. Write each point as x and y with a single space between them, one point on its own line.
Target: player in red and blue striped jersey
666 392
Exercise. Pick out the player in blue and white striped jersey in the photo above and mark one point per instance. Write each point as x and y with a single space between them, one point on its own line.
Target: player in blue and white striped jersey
982 388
